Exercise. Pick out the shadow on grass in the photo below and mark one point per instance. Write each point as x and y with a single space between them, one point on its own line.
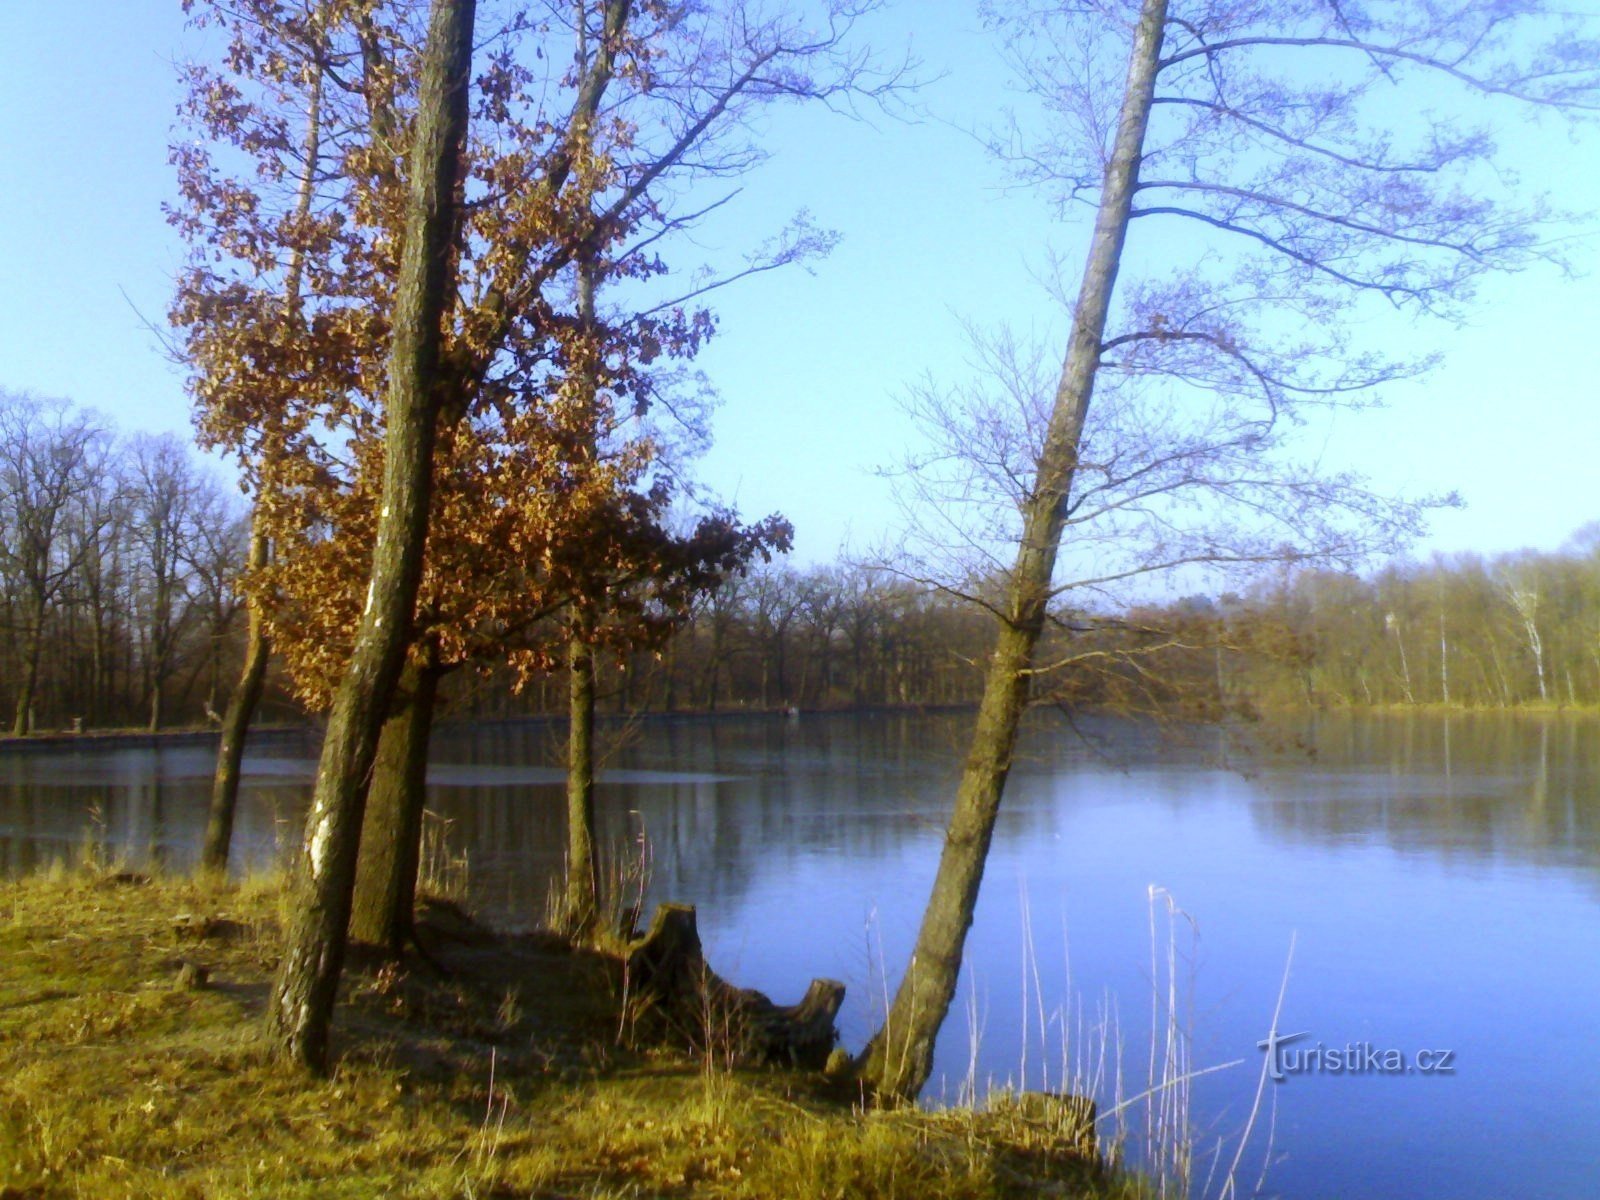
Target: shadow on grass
495 1069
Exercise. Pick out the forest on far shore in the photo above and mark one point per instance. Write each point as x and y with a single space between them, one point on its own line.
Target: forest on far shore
119 606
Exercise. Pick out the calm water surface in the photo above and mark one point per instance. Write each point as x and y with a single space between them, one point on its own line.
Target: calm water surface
1439 878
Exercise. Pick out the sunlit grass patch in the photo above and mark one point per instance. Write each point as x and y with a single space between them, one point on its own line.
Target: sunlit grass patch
505 1079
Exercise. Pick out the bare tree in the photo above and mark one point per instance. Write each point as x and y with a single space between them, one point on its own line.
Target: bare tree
99 526
163 490
216 548
50 455
1303 213
1520 586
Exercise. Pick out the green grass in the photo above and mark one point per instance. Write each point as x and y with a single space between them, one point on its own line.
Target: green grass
504 1079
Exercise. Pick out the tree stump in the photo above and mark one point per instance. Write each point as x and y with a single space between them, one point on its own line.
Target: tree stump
671 991
191 977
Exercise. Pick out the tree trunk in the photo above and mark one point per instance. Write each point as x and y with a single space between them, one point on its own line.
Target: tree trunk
385 897
23 723
671 699
1444 664
898 1060
582 899
712 667
98 685
672 992
583 860
308 979
235 728
1405 666
258 648
1537 646
1500 676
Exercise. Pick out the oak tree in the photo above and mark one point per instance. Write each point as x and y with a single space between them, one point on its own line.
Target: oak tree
293 389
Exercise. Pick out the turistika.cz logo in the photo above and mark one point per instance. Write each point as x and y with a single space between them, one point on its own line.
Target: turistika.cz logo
1286 1057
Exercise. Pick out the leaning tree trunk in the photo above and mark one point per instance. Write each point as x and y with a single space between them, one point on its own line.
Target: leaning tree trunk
308 979
258 648
899 1058
583 861
384 904
236 726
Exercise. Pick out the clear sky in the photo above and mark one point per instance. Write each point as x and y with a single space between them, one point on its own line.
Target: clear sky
809 364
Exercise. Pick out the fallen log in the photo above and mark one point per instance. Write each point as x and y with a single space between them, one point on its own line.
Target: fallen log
670 990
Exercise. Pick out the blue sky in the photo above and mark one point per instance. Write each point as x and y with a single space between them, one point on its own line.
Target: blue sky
809 364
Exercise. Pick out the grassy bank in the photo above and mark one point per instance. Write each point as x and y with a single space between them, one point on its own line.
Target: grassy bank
131 1065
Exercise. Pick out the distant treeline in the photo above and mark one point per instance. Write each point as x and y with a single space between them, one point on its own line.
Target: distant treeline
781 637
1511 630
119 558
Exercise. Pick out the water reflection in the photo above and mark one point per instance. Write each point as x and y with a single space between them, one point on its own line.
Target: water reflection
142 804
1437 873
1490 787
722 801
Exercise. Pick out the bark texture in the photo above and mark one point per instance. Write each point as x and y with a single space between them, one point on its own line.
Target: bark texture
235 728
384 905
302 1002
899 1058
22 724
673 994
582 900
583 859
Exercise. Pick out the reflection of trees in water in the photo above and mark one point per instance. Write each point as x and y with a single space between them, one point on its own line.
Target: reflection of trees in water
53 809
154 813
140 805
19 831
847 786
512 835
855 786
1480 785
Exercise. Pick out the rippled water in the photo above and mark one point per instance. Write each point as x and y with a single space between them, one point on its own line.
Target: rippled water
1440 879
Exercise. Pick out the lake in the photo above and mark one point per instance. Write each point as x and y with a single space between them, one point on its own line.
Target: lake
1437 877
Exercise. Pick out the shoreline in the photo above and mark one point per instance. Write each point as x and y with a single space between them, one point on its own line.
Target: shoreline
510 1076
196 735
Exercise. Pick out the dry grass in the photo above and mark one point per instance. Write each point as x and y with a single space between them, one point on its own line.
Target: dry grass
502 1079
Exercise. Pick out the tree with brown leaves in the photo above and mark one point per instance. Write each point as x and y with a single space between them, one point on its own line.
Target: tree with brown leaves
658 95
